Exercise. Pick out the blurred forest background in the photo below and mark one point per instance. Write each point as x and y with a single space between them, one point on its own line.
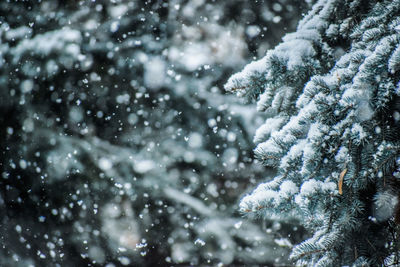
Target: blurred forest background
119 146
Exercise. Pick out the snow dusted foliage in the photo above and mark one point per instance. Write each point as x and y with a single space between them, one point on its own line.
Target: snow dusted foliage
331 96
118 144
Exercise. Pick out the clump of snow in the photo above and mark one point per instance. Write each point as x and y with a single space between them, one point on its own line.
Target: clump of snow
258 199
230 156
270 126
62 41
76 114
364 111
312 187
343 155
195 140
283 242
144 166
117 11
288 188
27 86
359 132
384 205
253 31
309 187
155 73
293 50
216 47
18 33
238 82
396 116
105 164
238 224
123 99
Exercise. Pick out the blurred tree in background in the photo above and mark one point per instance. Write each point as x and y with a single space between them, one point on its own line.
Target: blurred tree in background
118 145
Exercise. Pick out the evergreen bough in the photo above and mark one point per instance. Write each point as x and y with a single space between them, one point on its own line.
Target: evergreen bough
331 95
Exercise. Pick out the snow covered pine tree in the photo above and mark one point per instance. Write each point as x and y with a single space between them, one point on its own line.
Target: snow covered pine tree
117 150
331 95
